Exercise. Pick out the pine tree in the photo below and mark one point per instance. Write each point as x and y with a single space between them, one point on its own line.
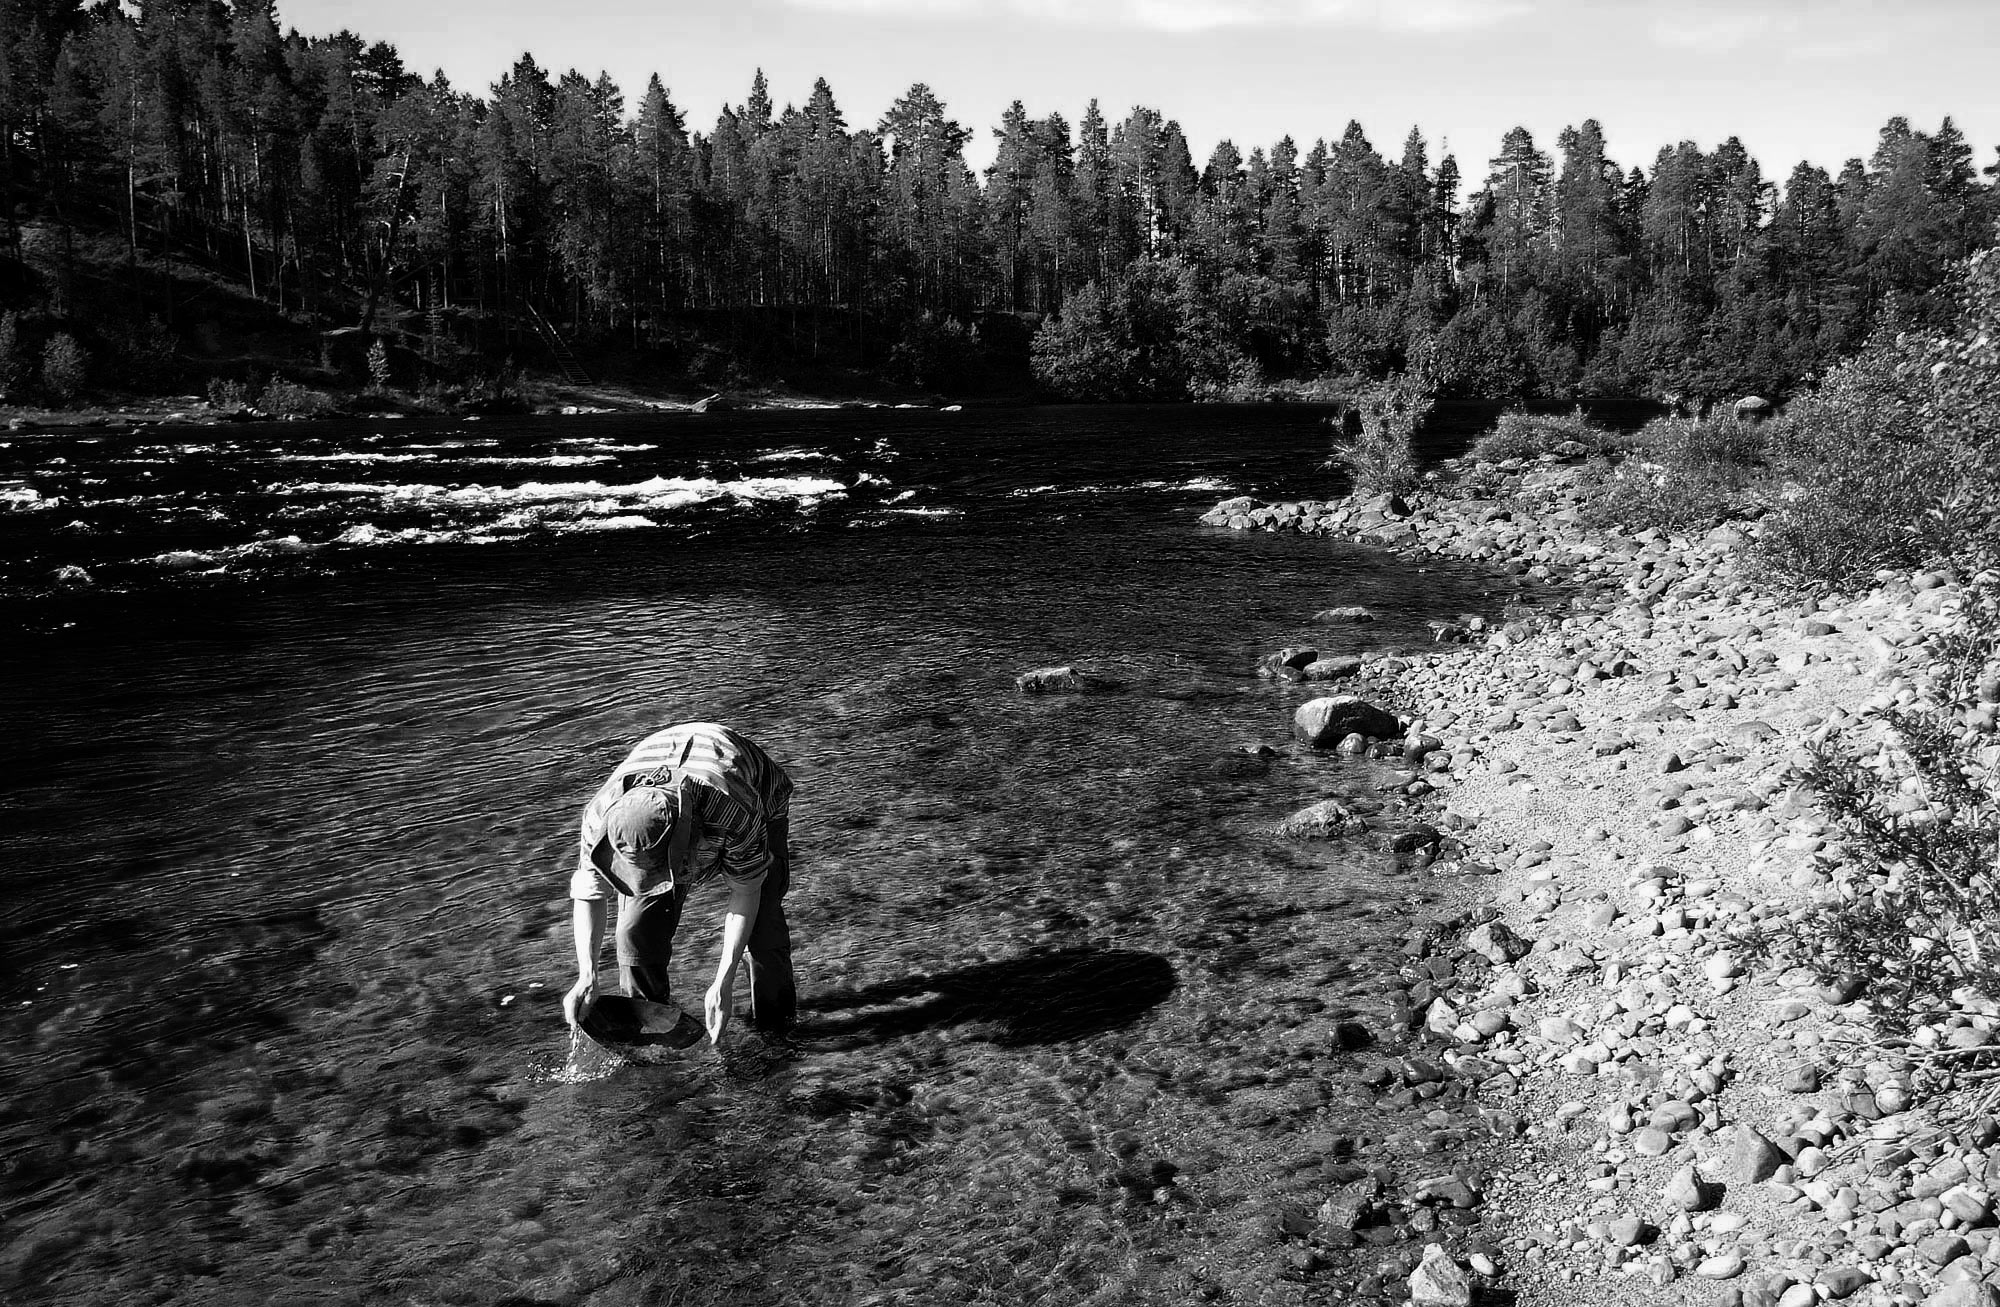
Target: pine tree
1010 199
927 198
1052 206
1584 227
1518 186
1091 207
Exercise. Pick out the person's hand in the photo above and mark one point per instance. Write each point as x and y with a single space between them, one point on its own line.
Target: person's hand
577 1003
715 1009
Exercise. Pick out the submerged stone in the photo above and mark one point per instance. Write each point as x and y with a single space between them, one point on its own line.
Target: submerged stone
1323 820
1057 680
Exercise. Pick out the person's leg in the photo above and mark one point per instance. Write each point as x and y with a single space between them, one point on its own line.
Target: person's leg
774 998
646 942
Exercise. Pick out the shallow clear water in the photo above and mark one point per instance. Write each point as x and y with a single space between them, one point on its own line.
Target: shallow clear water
283 927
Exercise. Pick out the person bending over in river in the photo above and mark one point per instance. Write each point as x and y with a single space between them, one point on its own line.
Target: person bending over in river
689 804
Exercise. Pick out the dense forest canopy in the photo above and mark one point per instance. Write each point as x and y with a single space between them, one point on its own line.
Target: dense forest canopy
333 182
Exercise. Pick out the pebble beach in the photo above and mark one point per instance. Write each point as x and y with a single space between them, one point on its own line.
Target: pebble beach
1672 1114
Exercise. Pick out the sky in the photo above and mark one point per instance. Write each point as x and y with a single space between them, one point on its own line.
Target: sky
1794 79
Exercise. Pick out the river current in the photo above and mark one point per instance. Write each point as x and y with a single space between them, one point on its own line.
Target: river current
298 721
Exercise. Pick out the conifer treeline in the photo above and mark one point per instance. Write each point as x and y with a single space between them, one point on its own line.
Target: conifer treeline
332 180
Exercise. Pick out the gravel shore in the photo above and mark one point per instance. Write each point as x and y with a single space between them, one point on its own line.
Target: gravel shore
1679 1118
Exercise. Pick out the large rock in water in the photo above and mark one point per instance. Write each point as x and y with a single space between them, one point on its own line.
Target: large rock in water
1323 723
1323 820
1057 680
1288 664
1331 669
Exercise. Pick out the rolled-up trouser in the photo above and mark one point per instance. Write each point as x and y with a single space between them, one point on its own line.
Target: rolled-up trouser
646 942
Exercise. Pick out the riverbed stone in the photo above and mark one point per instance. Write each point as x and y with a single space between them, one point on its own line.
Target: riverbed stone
1288 663
1941 1249
1652 1142
1753 1157
1439 1282
1327 819
1722 1266
1331 669
1497 942
1689 1192
1065 679
1327 721
1843 1281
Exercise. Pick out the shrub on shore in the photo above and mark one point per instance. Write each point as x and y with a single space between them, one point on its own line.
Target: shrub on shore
1893 457
1918 909
1721 445
288 399
1530 435
1681 475
1891 461
65 367
1382 458
227 395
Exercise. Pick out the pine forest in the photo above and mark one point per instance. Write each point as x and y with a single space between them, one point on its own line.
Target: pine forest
154 148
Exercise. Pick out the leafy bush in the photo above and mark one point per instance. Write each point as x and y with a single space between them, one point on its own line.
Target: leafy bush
1891 504
288 399
1382 459
65 367
378 365
1681 475
1530 435
1150 335
1638 493
1918 908
1086 351
228 395
1892 458
1720 445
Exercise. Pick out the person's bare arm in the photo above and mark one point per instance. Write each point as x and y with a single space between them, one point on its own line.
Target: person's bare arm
589 922
736 924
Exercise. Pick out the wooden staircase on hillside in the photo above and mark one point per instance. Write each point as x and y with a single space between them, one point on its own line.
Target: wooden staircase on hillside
566 359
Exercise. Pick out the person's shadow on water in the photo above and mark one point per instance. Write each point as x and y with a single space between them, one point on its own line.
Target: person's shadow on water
1041 997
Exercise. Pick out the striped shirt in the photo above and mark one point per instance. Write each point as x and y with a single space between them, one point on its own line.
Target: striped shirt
736 791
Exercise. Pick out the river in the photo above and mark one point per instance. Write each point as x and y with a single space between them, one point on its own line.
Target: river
298 722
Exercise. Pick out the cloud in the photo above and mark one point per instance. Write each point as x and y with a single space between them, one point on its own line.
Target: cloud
1185 16
1691 29
1826 29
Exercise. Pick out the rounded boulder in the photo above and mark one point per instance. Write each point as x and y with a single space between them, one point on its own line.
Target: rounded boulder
1323 723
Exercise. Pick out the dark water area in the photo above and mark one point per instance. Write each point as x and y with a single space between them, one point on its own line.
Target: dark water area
282 916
